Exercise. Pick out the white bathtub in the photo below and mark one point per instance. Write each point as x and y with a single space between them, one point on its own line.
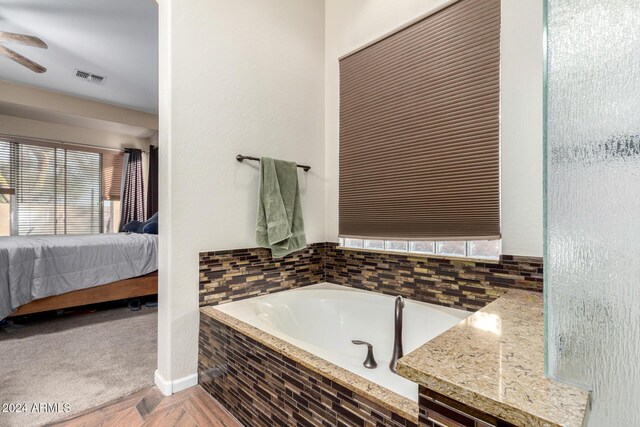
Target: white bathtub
323 319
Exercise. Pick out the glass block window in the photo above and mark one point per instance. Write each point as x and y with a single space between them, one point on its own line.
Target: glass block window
422 247
456 248
353 243
489 249
396 245
483 248
374 244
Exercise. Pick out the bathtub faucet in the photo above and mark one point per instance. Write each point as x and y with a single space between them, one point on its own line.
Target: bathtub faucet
397 352
370 361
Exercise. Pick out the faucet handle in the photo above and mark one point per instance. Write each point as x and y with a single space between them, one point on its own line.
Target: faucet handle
369 361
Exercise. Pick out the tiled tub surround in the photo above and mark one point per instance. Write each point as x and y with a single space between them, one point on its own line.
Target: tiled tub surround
247 368
494 362
456 282
437 410
485 371
242 273
264 381
464 283
323 319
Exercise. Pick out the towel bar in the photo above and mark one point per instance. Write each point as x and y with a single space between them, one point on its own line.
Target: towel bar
240 158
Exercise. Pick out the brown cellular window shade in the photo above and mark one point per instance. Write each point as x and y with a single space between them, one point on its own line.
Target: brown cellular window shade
112 175
419 129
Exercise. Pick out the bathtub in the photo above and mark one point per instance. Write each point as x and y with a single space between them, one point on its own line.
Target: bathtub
323 319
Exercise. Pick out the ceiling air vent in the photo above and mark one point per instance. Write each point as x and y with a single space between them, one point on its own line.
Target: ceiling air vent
96 79
90 77
82 74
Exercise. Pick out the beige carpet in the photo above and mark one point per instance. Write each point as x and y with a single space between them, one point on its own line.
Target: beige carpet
83 360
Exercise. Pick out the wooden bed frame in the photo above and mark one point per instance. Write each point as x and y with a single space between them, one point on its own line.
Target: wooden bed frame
128 288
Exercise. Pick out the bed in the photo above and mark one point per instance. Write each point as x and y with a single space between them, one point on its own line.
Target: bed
39 273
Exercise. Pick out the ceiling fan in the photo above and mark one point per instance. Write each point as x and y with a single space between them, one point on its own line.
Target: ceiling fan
26 40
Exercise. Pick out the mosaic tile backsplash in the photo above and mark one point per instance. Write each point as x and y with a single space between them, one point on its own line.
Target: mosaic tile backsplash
227 276
456 282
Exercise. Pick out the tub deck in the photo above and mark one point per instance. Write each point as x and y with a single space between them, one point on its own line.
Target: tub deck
399 405
494 362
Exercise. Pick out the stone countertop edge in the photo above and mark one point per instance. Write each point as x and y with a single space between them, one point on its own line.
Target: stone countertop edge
384 397
493 361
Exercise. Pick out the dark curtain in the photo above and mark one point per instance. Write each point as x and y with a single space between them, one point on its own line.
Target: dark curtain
132 188
152 185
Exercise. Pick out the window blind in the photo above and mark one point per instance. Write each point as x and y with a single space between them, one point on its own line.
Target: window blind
39 190
83 193
419 130
7 172
56 190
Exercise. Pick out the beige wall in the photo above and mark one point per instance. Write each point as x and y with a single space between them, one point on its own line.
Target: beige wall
521 127
76 109
28 128
351 24
37 113
236 77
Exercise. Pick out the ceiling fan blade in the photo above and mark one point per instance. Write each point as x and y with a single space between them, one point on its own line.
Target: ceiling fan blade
26 62
22 39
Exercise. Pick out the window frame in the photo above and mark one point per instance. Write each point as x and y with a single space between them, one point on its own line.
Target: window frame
62 192
342 243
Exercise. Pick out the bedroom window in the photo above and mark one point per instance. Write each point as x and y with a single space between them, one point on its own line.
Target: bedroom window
46 189
419 133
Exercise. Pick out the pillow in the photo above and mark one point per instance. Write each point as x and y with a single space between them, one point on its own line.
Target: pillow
133 227
154 218
151 228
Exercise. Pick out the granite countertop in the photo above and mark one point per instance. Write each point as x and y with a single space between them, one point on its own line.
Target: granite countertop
494 361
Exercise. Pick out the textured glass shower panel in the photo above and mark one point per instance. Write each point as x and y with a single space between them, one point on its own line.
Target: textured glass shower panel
593 203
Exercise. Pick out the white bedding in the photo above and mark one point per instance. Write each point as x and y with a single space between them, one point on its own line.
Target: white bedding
40 266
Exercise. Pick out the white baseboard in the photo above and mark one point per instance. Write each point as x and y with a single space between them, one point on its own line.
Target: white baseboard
169 387
163 385
185 382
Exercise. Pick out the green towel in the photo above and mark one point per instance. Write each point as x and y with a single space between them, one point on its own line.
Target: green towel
280 225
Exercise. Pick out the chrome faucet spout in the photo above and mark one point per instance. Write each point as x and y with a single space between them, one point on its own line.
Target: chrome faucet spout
397 352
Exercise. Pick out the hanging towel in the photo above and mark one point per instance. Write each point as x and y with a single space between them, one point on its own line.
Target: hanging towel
280 225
